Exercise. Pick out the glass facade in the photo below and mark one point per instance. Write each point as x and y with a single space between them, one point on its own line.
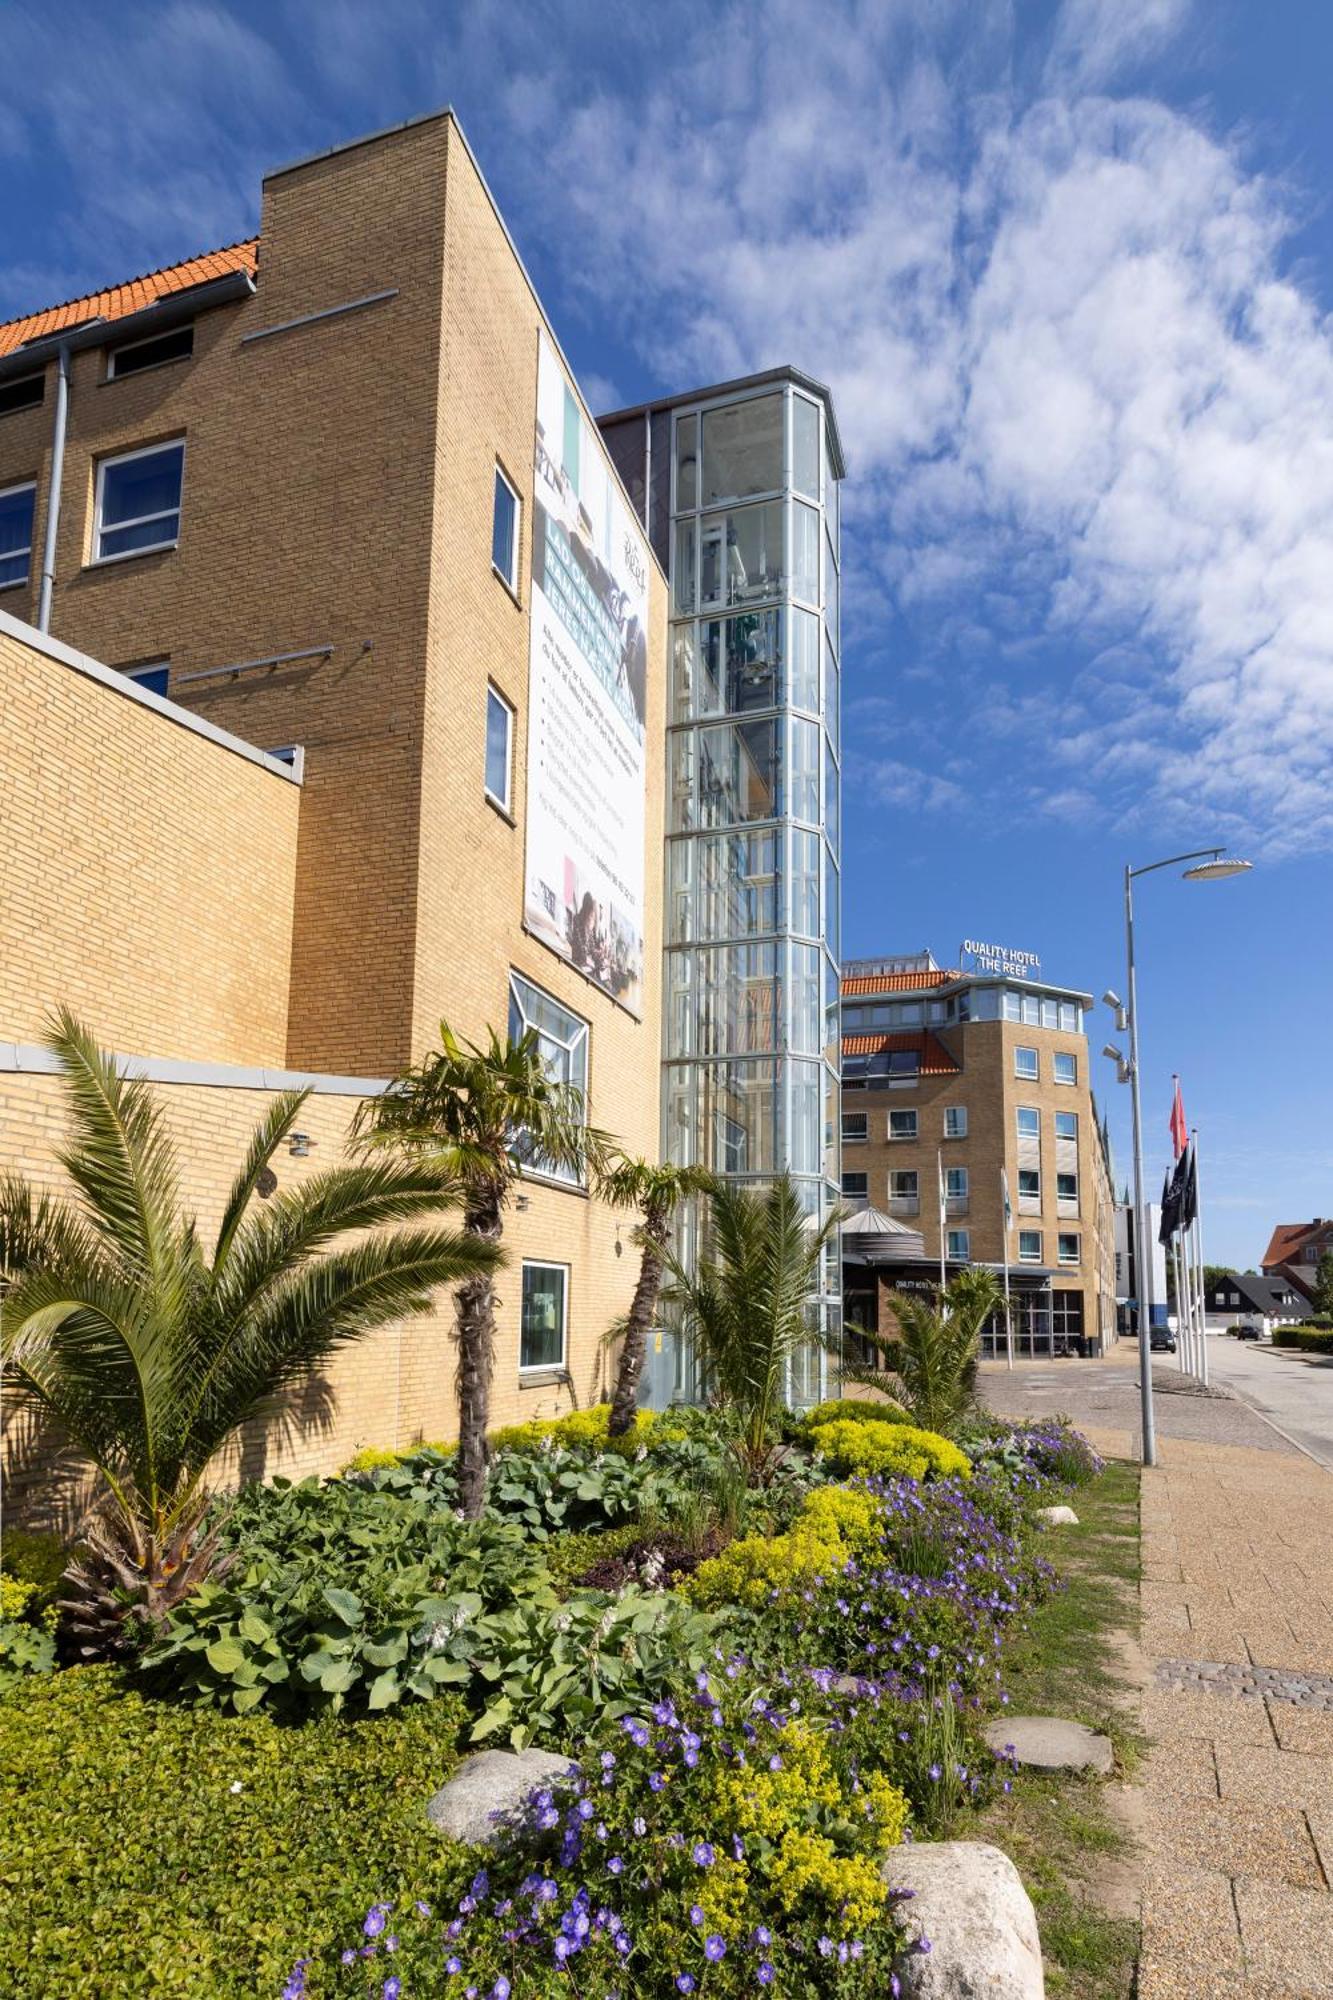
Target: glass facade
753 858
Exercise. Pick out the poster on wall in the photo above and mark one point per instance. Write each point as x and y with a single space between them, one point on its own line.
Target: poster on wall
587 701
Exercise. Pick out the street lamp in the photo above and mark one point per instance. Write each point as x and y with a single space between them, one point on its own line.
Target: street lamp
1213 865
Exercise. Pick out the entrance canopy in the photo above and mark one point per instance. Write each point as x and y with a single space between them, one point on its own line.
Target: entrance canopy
869 1236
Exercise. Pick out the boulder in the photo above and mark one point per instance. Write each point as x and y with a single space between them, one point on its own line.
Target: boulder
1056 1517
970 1903
1049 1743
486 1788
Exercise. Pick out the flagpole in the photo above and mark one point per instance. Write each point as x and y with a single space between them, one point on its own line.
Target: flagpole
1008 1306
939 1168
1198 1257
1182 1322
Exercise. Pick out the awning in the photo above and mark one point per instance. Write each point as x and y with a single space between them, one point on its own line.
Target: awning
869 1236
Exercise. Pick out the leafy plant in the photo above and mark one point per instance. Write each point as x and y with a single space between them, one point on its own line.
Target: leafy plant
932 1356
24 1649
482 1115
889 1451
746 1303
656 1189
149 1353
854 1409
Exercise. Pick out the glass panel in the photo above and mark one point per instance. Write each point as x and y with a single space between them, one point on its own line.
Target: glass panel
832 501
806 1024
562 1042
684 806
144 535
687 464
742 555
806 1117
804 883
832 696
543 1334
832 906
155 679
805 447
683 578
16 510
832 592
738 774
503 525
724 1115
681 1011
742 661
832 817
150 484
805 552
832 1024
723 886
737 1005
803 777
804 690
497 747
743 449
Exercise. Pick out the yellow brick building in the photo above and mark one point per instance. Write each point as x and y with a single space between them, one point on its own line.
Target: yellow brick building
286 499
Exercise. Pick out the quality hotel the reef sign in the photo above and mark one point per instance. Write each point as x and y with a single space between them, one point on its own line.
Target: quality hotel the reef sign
1003 959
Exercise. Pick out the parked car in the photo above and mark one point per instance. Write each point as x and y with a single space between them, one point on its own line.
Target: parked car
1161 1340
1249 1330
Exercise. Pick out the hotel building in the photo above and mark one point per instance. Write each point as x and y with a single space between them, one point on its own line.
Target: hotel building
955 1085
347 689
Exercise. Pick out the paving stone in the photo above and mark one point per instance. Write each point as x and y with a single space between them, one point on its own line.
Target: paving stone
1269 1842
1186 1765
1188 1915
1302 1728
1163 1977
1049 1743
1169 1718
1288 1935
1275 1777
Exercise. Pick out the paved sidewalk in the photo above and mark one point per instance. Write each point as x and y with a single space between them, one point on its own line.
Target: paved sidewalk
1237 1598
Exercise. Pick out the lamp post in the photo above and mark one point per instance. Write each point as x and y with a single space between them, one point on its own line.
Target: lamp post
1213 865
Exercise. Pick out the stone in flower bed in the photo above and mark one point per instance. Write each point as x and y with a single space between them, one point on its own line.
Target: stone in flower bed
969 1903
487 1789
1049 1743
1056 1517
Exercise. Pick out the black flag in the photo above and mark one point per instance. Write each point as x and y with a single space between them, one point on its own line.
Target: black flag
1189 1198
1173 1194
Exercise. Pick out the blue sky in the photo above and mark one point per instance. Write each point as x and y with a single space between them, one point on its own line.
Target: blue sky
1068 268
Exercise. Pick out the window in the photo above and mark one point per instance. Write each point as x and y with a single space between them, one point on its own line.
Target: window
291 754
1066 1187
1029 1246
1068 1248
177 345
904 1064
1065 1068
855 1125
1029 1183
154 676
16 505
499 747
545 1298
1025 1064
562 1040
1029 1122
955 1183
1070 1024
955 1121
958 1248
902 1124
138 502
856 1187
903 1186
1066 1124
504 532
25 394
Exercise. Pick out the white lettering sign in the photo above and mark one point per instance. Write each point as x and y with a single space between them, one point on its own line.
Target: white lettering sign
1002 960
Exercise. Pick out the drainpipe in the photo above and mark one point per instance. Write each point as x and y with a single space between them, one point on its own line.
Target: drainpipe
53 491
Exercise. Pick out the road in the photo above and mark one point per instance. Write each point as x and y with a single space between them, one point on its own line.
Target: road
1295 1390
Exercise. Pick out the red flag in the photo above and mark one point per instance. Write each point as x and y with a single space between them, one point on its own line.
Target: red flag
1179 1129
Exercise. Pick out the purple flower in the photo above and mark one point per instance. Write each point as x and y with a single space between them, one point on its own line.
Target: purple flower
684 1982
762 1934
656 1782
392 1988
615 1866
703 1853
453 1965
764 1974
696 1914
501 1989
714 1948
375 1919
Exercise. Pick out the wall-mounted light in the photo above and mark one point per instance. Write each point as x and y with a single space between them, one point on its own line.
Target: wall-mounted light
521 1203
299 1144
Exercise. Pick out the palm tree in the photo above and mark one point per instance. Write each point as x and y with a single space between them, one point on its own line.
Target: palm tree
747 1302
932 1356
485 1115
656 1191
149 1353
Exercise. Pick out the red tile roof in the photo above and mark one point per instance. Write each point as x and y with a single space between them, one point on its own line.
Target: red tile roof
935 1059
118 301
1287 1240
892 982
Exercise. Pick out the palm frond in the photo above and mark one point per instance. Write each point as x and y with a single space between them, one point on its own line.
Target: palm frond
268 1135
41 1232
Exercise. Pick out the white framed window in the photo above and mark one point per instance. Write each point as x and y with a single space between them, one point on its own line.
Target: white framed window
1067 1245
855 1126
1029 1122
1070 1022
136 355
562 1041
499 748
955 1121
958 1246
1066 1124
955 1183
153 675
1064 1067
856 1187
138 503
1029 1184
1026 1064
505 525
903 1185
1031 1011
1066 1187
1029 1246
902 1124
16 509
545 1314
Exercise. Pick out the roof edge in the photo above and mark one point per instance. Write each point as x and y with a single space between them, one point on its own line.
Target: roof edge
787 372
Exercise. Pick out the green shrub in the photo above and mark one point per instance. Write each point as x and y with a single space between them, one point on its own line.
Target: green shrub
146 1848
568 1556
889 1451
1311 1338
24 1650
34 1558
854 1409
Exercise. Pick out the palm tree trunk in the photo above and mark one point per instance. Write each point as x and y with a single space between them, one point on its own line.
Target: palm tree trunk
625 1402
476 1359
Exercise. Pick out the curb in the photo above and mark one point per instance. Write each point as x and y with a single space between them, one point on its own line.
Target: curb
1324 1464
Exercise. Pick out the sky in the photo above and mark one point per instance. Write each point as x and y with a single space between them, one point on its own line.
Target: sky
1067 266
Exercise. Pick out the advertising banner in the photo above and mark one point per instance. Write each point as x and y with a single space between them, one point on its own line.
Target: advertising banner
587 699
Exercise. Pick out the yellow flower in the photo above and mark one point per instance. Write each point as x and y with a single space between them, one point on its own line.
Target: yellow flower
890 1451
